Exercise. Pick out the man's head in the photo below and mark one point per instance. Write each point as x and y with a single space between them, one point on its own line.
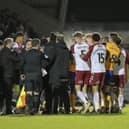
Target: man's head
114 37
96 37
88 38
78 37
19 38
28 44
36 43
59 36
52 37
9 42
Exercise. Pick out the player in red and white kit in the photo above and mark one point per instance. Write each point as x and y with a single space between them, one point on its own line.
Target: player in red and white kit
97 56
82 69
120 79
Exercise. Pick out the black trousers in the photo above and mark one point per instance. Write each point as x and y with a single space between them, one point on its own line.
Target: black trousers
33 84
1 94
8 85
48 95
57 93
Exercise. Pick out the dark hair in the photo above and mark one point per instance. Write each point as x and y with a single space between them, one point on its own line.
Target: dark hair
60 36
115 38
52 37
36 42
96 37
28 40
118 41
113 34
19 34
78 34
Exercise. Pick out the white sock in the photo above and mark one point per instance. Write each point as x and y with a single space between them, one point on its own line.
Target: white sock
82 97
85 95
102 102
120 100
96 100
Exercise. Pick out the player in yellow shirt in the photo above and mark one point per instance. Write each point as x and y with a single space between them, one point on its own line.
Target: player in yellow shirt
113 52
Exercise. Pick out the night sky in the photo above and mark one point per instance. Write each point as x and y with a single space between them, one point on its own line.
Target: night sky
98 10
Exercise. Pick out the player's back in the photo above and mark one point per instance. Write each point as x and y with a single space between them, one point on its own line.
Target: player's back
119 68
98 57
113 52
80 49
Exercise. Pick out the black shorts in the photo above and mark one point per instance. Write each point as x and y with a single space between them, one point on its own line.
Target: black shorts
33 82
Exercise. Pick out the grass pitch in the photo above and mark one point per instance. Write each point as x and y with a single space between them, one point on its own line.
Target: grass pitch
75 121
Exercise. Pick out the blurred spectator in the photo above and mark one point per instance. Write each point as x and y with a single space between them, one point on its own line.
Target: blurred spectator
1 80
8 61
11 23
19 42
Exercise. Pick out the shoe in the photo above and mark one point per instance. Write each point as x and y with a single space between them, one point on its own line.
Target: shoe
61 110
120 111
103 110
31 113
91 109
74 110
98 111
2 113
115 110
108 111
86 107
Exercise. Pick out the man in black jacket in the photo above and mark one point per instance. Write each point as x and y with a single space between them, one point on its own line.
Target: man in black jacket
1 80
31 65
49 52
8 62
58 59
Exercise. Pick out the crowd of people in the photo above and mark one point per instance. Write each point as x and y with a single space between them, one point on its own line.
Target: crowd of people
11 23
88 77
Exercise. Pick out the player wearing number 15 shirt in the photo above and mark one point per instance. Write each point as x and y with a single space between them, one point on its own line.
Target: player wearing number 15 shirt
97 56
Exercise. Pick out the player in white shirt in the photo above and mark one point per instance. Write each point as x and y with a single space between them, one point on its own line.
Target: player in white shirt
97 56
120 79
88 38
82 69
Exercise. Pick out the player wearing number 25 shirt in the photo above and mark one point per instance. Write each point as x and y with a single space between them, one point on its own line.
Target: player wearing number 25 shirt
82 68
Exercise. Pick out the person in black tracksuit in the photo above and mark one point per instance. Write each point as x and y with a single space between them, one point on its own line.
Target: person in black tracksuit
8 62
31 65
58 59
49 51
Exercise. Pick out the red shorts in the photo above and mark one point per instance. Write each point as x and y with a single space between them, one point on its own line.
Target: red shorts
119 81
82 77
97 79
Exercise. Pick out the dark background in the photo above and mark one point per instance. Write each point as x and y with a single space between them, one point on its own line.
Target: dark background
98 10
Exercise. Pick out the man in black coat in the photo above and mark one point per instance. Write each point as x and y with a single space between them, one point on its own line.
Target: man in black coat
1 80
58 59
8 62
49 52
31 65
